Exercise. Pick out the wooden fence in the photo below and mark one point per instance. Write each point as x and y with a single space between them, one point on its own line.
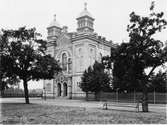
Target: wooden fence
153 97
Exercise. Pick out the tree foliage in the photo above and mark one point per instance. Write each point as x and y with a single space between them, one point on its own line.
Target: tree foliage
24 57
159 82
143 51
95 79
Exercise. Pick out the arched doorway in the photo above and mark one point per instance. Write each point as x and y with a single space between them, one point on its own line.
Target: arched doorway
59 89
65 89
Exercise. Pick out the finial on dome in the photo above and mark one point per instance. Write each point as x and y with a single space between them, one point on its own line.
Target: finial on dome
54 17
85 4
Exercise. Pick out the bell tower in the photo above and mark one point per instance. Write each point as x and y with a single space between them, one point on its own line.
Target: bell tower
54 30
85 21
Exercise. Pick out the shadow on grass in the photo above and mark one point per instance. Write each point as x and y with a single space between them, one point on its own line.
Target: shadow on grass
18 103
126 110
17 106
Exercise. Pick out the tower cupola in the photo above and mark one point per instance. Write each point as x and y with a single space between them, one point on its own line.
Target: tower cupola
54 29
85 21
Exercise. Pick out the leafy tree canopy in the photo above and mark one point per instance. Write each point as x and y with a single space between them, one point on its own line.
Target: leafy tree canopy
24 56
159 81
95 78
143 51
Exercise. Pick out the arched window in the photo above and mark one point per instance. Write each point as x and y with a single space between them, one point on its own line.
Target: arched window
65 89
69 65
58 89
64 62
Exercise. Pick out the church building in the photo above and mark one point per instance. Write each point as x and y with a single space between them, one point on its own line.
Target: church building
75 52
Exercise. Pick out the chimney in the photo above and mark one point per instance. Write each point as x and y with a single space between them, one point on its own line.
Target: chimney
65 29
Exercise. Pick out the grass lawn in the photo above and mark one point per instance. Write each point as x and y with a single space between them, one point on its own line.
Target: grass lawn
49 114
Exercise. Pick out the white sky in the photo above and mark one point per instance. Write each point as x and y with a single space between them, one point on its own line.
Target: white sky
111 16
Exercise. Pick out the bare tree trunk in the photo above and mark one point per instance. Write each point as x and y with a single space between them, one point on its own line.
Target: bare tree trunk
145 100
26 91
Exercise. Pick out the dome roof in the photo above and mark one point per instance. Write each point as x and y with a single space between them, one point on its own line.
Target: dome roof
85 12
54 23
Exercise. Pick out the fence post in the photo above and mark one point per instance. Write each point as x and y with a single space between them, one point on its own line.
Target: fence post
134 99
154 95
117 94
44 94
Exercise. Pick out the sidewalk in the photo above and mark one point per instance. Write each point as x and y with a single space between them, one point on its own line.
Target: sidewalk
82 103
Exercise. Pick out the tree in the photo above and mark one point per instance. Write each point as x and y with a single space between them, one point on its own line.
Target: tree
159 81
122 78
142 52
85 84
24 57
95 79
5 79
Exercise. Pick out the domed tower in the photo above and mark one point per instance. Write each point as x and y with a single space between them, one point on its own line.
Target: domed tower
85 21
54 30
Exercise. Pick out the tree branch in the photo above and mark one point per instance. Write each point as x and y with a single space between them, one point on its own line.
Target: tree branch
151 71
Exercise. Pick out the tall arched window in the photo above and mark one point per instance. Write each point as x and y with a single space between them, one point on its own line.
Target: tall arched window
69 65
64 62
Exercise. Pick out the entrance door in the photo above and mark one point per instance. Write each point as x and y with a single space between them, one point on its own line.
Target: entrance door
59 89
65 89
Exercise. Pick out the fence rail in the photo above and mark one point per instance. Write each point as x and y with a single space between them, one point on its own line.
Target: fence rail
154 97
135 97
7 95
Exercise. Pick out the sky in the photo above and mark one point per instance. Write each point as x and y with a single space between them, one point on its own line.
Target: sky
111 16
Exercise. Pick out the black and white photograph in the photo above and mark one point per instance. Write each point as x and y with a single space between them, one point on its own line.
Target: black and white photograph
83 62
